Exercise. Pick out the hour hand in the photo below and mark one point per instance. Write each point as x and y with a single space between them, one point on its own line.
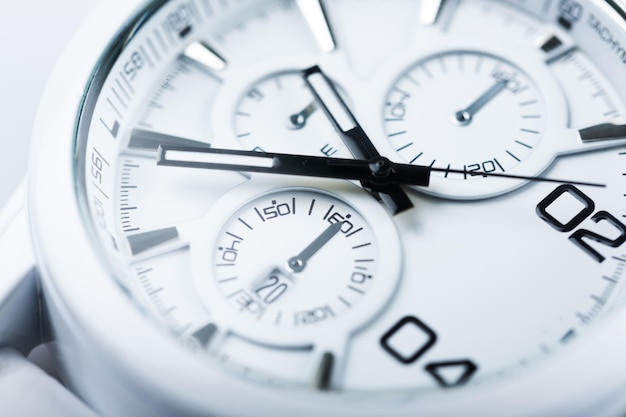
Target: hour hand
353 135
339 114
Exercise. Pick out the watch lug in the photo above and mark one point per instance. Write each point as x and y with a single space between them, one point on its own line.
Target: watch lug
20 306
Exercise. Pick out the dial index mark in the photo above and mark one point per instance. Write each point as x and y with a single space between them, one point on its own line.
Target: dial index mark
147 140
143 242
205 334
430 11
552 43
324 372
315 16
555 49
603 131
205 56
242 221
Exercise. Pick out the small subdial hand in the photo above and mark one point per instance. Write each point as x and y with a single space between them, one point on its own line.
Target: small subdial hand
298 120
353 135
298 263
464 117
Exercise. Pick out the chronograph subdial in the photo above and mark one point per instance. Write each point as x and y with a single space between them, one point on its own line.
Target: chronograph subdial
292 289
465 110
321 263
279 113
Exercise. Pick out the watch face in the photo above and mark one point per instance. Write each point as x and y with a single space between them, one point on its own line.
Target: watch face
353 195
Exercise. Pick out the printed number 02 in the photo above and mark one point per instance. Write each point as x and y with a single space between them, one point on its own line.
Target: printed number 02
579 236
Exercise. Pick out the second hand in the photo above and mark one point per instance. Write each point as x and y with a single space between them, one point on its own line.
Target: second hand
515 177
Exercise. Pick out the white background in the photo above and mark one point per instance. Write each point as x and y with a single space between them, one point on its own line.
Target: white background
33 34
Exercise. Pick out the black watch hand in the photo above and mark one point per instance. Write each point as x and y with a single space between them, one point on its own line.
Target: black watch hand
303 165
353 135
382 172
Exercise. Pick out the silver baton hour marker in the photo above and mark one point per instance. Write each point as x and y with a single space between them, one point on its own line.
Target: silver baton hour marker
143 242
324 373
603 131
204 55
313 12
429 11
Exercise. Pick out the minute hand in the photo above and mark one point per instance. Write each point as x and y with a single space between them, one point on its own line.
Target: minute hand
353 135
381 172
376 173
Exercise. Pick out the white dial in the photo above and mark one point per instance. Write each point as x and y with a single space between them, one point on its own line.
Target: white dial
466 109
320 282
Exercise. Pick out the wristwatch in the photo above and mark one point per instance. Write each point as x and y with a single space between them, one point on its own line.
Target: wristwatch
326 208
